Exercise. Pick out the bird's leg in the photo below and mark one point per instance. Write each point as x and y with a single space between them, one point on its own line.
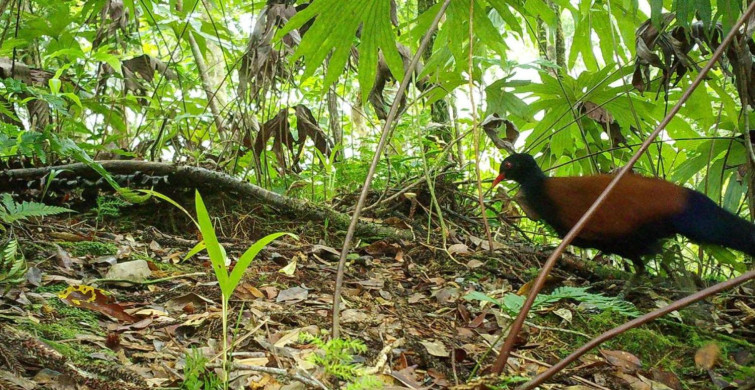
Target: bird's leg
639 271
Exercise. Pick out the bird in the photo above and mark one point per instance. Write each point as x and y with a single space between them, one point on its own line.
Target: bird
636 217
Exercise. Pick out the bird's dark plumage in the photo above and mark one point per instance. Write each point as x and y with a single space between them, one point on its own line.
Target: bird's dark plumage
636 216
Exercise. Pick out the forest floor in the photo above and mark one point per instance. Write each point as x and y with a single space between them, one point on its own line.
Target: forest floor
430 317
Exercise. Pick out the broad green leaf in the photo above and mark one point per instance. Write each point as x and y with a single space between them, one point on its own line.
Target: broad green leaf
196 249
735 190
503 9
656 11
112 60
246 259
728 11
217 254
684 11
703 8
606 37
485 33
377 35
540 9
725 99
582 39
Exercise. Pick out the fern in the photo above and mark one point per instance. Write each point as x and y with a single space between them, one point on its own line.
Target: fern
513 303
12 263
109 206
336 358
12 211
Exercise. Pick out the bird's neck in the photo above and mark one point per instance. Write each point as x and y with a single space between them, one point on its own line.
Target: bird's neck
533 183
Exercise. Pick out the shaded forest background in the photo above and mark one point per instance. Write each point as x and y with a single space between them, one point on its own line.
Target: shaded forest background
292 97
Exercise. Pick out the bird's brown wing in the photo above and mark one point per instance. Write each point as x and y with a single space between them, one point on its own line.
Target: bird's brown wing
636 201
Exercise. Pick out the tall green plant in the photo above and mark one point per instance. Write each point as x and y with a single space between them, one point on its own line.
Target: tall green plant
227 281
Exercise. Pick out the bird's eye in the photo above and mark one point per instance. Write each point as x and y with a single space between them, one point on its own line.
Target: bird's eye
507 165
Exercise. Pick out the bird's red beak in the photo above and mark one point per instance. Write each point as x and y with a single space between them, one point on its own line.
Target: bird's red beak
498 180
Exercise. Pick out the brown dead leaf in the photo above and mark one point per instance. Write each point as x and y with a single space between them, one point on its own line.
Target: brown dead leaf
351 316
472 264
407 376
372 284
707 356
396 223
91 298
382 248
70 237
525 289
641 383
624 361
492 123
668 378
293 294
248 292
435 348
416 297
460 249
178 304
64 259
447 295
270 291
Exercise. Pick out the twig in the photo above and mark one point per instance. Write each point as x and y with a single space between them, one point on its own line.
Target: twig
383 357
373 166
476 131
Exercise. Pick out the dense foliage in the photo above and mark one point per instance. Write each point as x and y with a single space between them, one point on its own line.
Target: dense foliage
291 95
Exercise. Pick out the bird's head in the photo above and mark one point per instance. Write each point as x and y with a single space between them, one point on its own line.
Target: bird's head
518 167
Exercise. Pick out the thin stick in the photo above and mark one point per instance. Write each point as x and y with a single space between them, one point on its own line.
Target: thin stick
517 325
476 131
375 159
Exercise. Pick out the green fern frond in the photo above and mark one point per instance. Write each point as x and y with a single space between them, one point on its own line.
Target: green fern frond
12 264
513 303
601 302
12 211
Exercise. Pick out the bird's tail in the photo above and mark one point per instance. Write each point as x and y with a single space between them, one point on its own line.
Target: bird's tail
705 222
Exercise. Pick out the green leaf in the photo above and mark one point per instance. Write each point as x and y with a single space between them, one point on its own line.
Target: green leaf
485 33
246 259
503 8
11 211
733 195
729 11
73 97
377 35
729 105
540 9
12 263
480 296
54 85
602 24
216 252
582 39
103 55
196 249
703 9
683 9
656 11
